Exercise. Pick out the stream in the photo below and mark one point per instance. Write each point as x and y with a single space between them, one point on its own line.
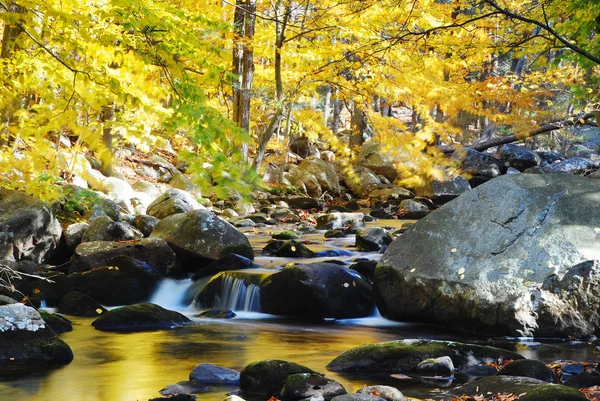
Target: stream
135 366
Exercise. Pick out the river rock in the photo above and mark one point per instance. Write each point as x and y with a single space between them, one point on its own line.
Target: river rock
357 397
332 221
104 228
217 313
316 290
386 193
202 235
58 324
324 172
441 366
384 210
74 233
372 157
519 157
125 281
145 224
576 165
404 355
444 191
481 166
388 393
304 203
527 388
268 377
230 290
103 207
372 239
28 229
173 201
585 379
76 303
140 317
52 287
410 209
300 386
302 179
360 180
182 388
548 157
514 234
154 251
294 249
213 374
528 368
26 338
228 262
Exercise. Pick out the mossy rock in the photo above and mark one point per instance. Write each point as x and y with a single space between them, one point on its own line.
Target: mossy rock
294 249
306 385
59 324
141 317
532 389
285 235
528 368
404 355
268 377
77 303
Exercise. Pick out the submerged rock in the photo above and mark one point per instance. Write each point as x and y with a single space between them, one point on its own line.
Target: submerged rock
268 377
182 388
479 263
213 374
140 317
56 322
528 368
441 366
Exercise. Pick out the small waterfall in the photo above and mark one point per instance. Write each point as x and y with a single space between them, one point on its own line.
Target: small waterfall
237 295
170 294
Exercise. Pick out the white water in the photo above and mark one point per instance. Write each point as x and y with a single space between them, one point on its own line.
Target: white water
170 294
238 296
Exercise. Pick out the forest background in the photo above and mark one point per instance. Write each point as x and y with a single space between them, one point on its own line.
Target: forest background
227 83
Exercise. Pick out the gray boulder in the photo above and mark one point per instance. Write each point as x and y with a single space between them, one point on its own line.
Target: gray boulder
213 374
360 180
388 393
201 234
410 209
528 368
173 201
444 191
154 251
332 221
300 386
324 172
441 366
576 165
372 239
372 157
519 157
28 229
104 228
145 223
479 262
74 233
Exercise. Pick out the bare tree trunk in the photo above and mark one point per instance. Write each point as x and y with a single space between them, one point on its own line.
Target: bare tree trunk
107 115
337 109
359 126
327 107
262 146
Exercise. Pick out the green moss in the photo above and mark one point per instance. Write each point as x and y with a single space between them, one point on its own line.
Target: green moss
267 377
139 317
553 392
240 249
532 389
285 235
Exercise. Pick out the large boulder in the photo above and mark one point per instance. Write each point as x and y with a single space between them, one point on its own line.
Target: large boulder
405 355
494 260
202 235
268 377
519 157
28 229
140 317
316 290
154 251
79 304
173 201
360 180
26 338
104 228
372 157
324 172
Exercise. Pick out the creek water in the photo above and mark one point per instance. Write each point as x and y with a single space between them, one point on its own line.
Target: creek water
135 366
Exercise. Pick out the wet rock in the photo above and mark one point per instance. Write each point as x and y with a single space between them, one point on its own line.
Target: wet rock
388 393
285 215
527 388
404 355
365 267
56 322
339 220
227 262
548 157
528 368
28 229
584 379
154 251
182 388
261 218
482 166
145 224
409 209
304 203
305 385
357 397
372 239
231 290
213 374
217 314
173 201
316 290
519 157
125 281
444 191
324 172
272 247
268 377
384 210
520 220
202 235
294 249
576 165
334 234
441 366
104 228
52 287
353 205
285 235
140 317
74 233
244 223
77 303
26 338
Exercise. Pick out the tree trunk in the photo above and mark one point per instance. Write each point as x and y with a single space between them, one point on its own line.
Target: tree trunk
359 126
107 115
337 109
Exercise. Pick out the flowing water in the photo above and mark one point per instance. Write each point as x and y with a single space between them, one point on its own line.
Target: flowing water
135 366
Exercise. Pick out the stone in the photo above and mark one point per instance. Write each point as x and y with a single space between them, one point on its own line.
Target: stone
176 397
444 191
484 257
103 207
154 251
183 388
117 188
268 377
124 281
235 290
519 157
213 374
304 203
140 317
56 322
285 235
104 228
576 165
528 368
76 303
180 181
51 287
202 235
173 201
357 397
372 239
403 356
316 290
28 228
548 157
26 338
217 313
324 172
481 166
527 388
303 179
410 209
388 393
227 262
332 221
385 193
74 233
585 379
360 180
366 268
244 223
372 157
441 366
300 386
294 249
145 224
